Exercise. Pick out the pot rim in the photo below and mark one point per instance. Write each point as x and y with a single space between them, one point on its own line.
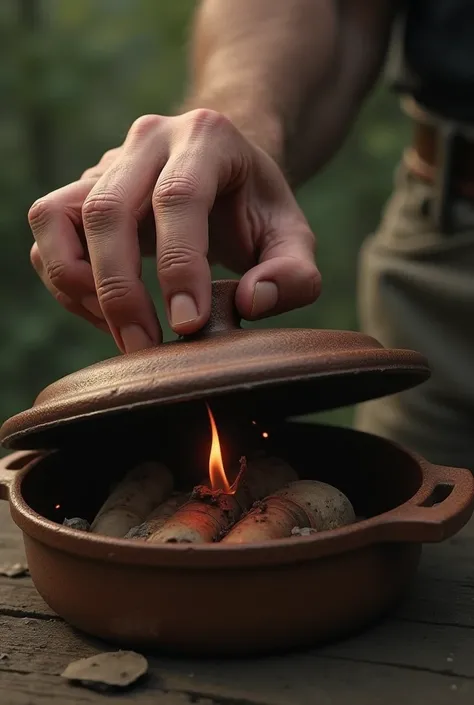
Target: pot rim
413 521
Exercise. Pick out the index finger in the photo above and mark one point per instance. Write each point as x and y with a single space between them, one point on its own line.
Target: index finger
110 216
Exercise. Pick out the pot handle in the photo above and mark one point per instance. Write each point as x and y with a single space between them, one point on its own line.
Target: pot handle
10 465
443 509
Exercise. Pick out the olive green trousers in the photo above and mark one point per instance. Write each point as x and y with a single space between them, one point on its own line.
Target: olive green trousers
416 290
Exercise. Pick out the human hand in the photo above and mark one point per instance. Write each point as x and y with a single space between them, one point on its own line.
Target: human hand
194 190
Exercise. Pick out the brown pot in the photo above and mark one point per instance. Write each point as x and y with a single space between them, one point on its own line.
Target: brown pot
217 599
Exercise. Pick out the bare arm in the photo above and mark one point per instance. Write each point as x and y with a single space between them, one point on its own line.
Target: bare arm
290 74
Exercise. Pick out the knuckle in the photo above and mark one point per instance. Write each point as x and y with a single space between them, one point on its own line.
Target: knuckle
113 291
105 161
143 126
175 191
175 260
100 207
40 213
109 155
203 119
59 273
91 173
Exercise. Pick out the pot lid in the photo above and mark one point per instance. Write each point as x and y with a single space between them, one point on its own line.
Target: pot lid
274 372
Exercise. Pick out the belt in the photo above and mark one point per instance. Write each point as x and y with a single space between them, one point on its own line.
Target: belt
435 150
442 154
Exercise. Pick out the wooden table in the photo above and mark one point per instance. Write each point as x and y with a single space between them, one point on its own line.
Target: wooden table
423 655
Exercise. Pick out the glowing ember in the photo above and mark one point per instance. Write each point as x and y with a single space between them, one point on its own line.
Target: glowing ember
57 506
265 434
216 466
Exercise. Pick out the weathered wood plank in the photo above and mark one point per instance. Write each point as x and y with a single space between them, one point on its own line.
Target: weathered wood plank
7 526
309 680
403 648
300 681
38 689
451 559
19 598
11 541
422 646
440 602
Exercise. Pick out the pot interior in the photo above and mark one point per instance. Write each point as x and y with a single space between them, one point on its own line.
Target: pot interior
374 474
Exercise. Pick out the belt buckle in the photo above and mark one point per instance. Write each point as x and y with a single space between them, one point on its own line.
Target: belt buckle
451 137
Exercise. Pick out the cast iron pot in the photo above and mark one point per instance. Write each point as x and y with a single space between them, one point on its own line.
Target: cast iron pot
239 600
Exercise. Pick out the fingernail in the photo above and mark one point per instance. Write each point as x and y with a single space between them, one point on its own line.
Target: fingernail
183 309
265 298
134 338
91 304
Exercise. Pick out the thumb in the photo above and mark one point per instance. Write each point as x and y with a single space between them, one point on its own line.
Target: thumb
286 276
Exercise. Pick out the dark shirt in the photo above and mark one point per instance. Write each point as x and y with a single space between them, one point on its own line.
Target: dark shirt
436 56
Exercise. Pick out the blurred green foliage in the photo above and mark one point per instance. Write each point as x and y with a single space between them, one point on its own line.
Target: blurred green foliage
73 76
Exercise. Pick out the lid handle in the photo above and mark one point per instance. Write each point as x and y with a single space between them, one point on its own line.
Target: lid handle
224 315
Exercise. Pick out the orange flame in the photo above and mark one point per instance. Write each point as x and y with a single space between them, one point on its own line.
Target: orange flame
217 474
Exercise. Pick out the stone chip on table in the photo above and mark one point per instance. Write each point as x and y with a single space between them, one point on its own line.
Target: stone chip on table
107 671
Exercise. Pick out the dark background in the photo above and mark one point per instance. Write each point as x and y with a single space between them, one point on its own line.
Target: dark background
74 74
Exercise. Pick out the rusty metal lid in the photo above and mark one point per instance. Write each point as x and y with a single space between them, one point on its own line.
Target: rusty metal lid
274 373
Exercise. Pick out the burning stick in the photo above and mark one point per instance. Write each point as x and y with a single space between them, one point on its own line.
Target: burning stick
133 498
158 516
211 512
303 504
200 520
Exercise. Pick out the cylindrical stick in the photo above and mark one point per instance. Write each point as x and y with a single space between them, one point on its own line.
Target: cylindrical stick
133 498
209 515
303 504
158 516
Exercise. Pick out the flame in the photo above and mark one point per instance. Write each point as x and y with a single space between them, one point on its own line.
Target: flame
217 474
265 434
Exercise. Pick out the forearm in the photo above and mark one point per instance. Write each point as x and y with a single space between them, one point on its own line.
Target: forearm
290 74
258 61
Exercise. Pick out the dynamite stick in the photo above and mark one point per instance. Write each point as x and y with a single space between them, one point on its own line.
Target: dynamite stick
158 516
210 513
133 498
303 505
